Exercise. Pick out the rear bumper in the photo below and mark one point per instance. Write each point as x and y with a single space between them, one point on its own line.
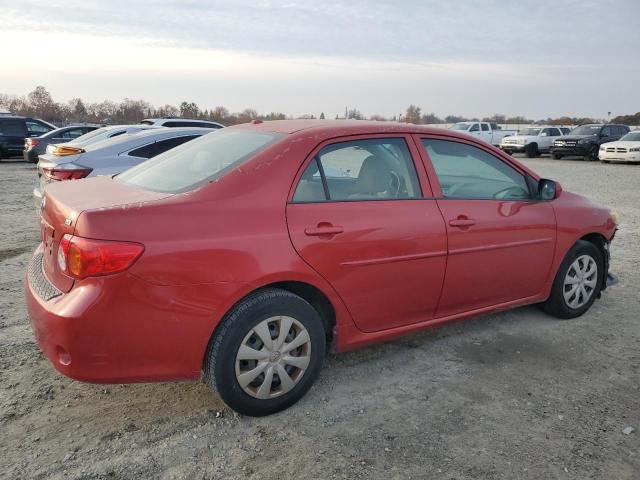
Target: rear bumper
121 329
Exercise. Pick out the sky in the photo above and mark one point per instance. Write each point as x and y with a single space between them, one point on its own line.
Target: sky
474 58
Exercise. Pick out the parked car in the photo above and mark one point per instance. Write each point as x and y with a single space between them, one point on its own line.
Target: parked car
72 147
627 149
181 122
239 255
37 145
110 156
14 130
585 140
487 131
532 140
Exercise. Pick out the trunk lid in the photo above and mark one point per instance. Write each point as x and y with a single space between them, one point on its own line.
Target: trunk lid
64 202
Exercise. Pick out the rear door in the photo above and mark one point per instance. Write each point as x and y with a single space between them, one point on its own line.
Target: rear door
362 216
13 132
500 239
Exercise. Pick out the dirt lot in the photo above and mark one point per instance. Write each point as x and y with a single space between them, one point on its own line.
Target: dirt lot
513 395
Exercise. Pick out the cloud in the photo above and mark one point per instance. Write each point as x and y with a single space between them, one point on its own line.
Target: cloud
432 30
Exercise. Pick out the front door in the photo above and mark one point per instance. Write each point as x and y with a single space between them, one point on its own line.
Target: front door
358 216
501 240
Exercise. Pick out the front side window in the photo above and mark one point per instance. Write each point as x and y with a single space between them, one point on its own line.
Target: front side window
474 128
372 169
468 172
195 163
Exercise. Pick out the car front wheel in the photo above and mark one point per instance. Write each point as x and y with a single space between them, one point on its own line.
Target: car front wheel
266 353
577 283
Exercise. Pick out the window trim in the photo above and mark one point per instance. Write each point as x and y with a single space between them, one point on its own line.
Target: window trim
435 183
414 154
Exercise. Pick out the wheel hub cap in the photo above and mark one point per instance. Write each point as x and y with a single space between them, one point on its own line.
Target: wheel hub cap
273 357
580 281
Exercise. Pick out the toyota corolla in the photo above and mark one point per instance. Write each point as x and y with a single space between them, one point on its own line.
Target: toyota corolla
244 255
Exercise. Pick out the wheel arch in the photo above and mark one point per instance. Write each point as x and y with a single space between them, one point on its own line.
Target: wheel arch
307 291
600 242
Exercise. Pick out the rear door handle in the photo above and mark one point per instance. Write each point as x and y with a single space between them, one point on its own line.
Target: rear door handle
324 230
462 222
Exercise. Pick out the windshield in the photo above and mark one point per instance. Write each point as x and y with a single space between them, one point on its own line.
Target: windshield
197 162
586 130
534 132
631 137
460 126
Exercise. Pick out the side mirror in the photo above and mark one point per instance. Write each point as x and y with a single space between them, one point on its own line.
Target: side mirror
548 189
544 134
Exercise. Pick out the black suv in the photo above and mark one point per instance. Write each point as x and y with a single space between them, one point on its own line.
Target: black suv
14 130
585 140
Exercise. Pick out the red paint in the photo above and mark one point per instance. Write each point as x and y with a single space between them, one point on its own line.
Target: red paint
387 267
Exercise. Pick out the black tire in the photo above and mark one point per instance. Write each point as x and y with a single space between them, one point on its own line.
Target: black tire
220 360
531 150
556 156
556 304
592 155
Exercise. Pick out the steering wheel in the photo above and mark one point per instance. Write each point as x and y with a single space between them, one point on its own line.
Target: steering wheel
504 193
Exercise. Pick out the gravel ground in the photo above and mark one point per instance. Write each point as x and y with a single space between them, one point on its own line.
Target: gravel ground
514 395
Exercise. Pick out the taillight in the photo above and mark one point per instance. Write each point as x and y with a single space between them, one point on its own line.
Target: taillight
81 257
66 173
30 143
63 150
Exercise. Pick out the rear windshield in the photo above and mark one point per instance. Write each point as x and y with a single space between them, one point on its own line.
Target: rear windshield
197 162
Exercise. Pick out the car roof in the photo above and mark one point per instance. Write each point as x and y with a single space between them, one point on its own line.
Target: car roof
146 136
330 128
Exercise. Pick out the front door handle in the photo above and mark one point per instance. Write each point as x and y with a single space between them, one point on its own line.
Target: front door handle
462 222
321 230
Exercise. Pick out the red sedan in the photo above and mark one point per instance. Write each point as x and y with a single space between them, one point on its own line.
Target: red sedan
245 253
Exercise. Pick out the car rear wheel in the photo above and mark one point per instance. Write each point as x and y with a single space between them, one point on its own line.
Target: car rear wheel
577 283
266 353
556 156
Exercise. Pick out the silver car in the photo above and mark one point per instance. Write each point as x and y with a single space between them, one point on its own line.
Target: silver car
95 136
111 156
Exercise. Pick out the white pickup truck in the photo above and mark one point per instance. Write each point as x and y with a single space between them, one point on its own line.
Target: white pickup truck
487 131
533 140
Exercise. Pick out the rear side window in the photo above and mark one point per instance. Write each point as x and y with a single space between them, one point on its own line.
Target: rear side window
146 151
195 163
37 128
164 145
372 169
465 171
71 134
12 127
485 127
